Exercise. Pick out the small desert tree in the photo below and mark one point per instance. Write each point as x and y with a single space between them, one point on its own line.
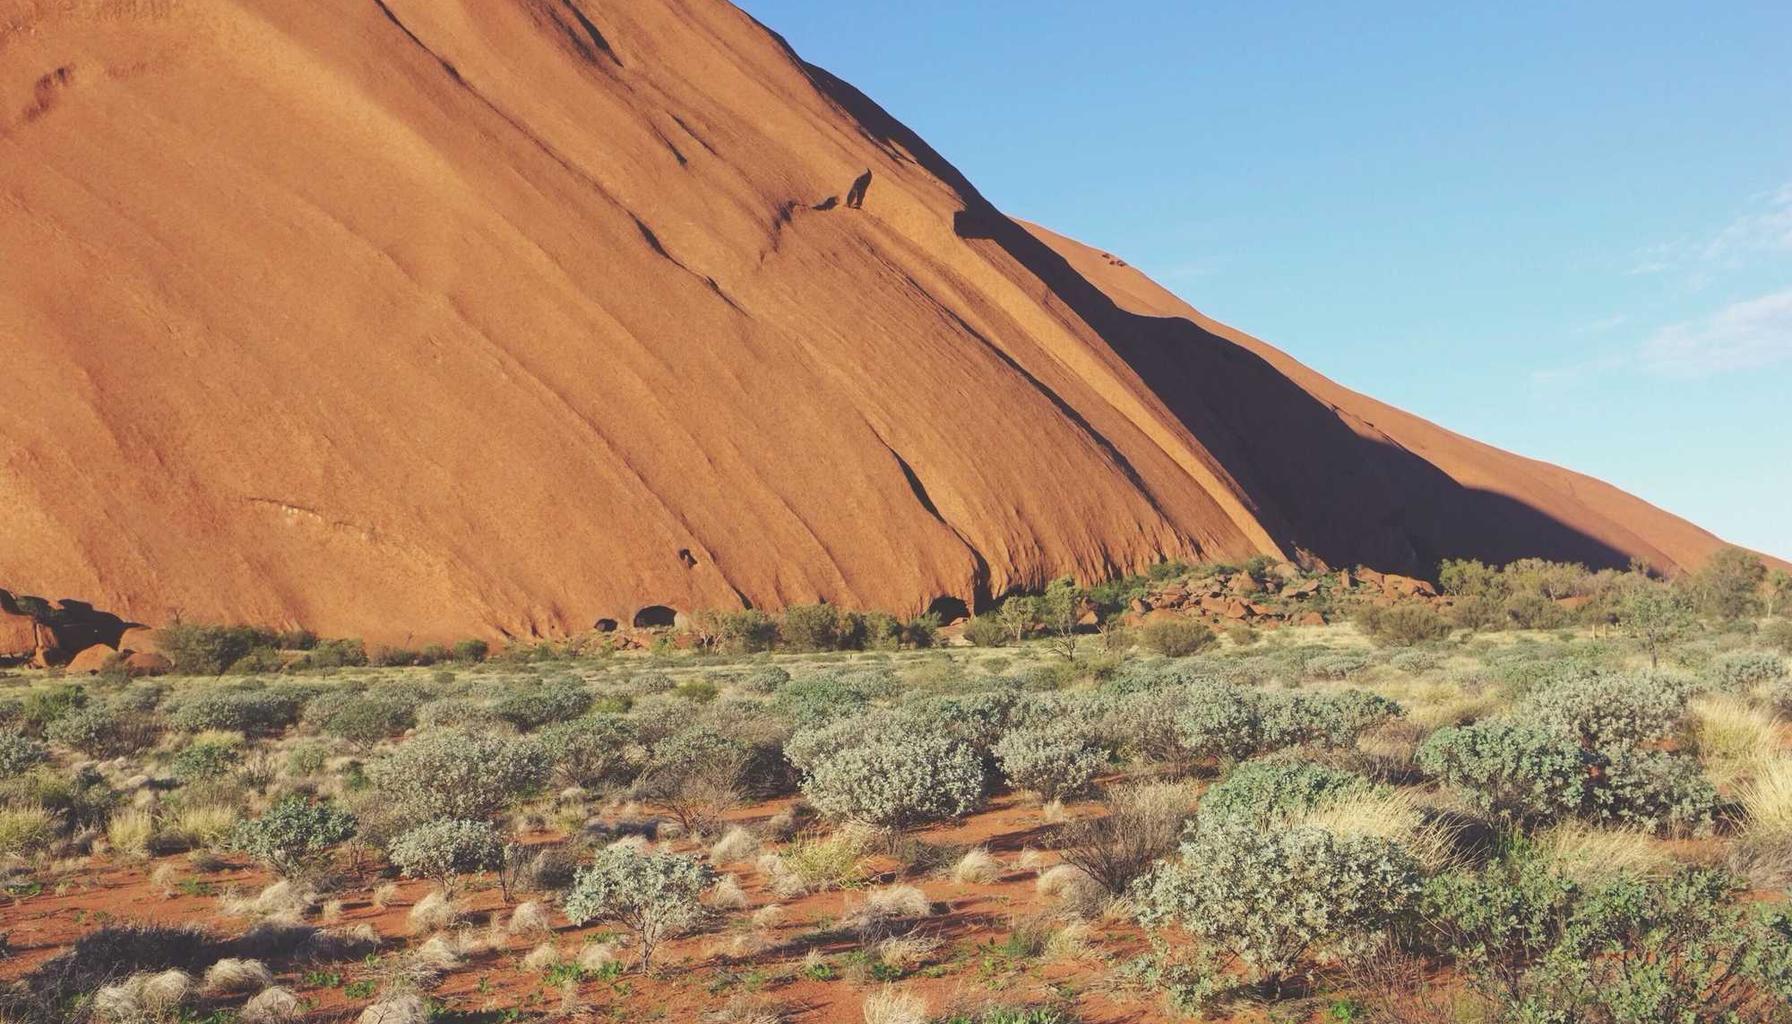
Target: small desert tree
1655 616
1019 615
445 850
1728 585
294 835
652 895
1060 609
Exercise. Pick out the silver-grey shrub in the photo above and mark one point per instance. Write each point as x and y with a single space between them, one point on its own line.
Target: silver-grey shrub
445 849
461 775
1514 771
652 895
1606 711
897 780
19 753
1054 761
1266 900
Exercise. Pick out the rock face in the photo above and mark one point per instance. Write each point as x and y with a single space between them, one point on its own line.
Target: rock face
418 319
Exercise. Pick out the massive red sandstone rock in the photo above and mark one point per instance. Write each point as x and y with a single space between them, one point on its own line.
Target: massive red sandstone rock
424 318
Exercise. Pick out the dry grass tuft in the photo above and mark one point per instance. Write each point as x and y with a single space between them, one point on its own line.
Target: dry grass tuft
530 920
735 847
1767 798
232 976
1588 855
433 913
273 1006
890 1005
976 867
727 895
1733 739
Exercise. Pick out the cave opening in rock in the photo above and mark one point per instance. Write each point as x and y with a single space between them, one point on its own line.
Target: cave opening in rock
605 625
655 616
948 610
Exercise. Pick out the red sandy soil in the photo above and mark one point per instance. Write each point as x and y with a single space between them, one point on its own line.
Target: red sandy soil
693 975
415 319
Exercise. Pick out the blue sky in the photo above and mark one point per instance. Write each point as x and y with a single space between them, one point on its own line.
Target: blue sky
1564 229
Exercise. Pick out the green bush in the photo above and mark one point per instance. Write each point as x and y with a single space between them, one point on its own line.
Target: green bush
1177 637
1777 635
1657 791
364 718
460 713
591 751
101 730
1055 761
452 774
251 712
199 762
43 706
294 834
1516 772
1627 951
473 650
1740 671
1267 900
1231 723
19 754
1269 790
1605 711
556 701
765 679
328 654
1402 625
747 631
984 631
1338 665
443 850
898 780
810 627
211 650
1329 718
652 895
816 699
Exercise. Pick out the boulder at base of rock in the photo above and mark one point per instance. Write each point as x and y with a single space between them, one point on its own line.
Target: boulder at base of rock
147 663
1311 619
18 637
91 660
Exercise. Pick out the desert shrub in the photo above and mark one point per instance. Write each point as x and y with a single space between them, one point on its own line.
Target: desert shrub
364 718
1336 665
1657 791
1142 825
765 679
817 699
1628 950
204 760
652 895
1266 900
1740 671
976 719
1054 761
591 751
1177 637
1231 723
294 834
459 713
985 631
102 730
1262 792
1477 613
1605 711
251 712
1330 718
1777 635
332 654
536 706
810 627
458 775
472 650
697 775
19 754
211 650
748 631
80 799
1404 624
443 850
897 780
1515 771
43 706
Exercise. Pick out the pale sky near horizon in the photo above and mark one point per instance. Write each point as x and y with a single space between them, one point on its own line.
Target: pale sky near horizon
1562 229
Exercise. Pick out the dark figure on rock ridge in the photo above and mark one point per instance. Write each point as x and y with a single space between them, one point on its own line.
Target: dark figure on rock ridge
855 197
